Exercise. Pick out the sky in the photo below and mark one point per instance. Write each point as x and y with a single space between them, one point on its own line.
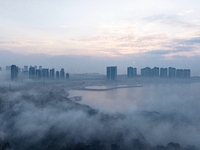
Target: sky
96 34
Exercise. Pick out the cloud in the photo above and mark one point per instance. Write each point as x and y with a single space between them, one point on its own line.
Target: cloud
171 21
189 41
112 40
185 12
163 52
45 118
64 26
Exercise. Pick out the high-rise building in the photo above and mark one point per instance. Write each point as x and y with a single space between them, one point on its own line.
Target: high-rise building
112 72
163 72
67 75
25 69
0 68
40 67
145 72
57 74
183 73
14 72
62 73
179 73
38 73
52 73
131 72
186 73
154 72
45 73
172 72
32 72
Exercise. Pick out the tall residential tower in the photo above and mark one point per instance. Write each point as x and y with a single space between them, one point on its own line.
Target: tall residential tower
112 72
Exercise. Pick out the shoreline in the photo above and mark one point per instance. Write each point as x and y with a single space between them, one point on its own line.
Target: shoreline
111 88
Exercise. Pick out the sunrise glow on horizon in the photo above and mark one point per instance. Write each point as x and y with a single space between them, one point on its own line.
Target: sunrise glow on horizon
111 28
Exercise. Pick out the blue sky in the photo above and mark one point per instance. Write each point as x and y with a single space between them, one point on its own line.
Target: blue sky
114 29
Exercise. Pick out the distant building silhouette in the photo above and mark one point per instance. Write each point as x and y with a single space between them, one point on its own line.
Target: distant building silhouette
38 73
186 73
154 72
62 73
150 72
172 72
145 72
40 67
131 72
14 72
45 73
0 68
67 75
25 70
57 75
112 72
179 73
52 73
32 72
163 72
183 73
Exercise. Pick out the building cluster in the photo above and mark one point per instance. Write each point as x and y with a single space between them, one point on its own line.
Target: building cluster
150 72
34 72
165 72
37 73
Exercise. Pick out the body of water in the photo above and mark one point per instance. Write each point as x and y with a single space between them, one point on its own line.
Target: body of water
161 112
150 97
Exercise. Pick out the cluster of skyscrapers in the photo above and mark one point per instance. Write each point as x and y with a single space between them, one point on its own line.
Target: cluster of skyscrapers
34 73
165 72
150 72
111 72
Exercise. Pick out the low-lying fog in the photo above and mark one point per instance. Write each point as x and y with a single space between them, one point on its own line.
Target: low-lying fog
155 116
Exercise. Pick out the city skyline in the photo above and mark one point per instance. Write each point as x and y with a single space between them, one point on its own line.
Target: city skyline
120 33
111 74
35 72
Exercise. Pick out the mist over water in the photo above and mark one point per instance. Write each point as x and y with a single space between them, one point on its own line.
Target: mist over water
155 116
166 112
